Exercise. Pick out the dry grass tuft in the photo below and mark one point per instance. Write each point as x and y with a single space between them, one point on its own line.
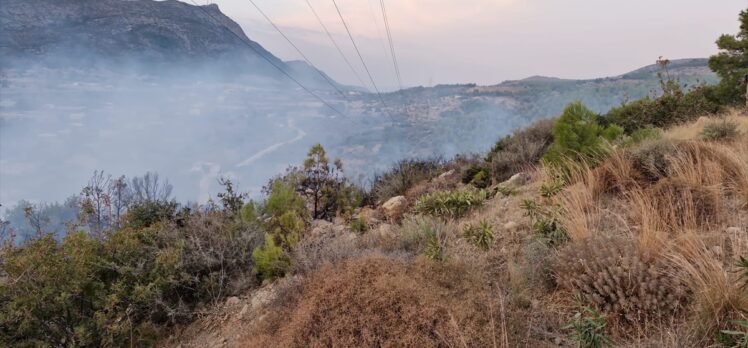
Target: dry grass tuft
613 275
379 301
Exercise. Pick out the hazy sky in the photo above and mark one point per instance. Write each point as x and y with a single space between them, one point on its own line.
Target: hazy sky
488 41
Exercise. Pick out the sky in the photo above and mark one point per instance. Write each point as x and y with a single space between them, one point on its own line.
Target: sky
489 41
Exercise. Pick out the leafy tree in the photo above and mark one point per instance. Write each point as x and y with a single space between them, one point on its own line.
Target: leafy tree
731 63
231 200
579 137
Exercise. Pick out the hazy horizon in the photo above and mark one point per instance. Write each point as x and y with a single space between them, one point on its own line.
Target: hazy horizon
489 41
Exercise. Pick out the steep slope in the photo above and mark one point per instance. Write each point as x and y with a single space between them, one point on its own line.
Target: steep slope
114 28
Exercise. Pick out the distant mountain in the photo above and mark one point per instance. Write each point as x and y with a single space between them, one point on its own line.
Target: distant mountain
147 33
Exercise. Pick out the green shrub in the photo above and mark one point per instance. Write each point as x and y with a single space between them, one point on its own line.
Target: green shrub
147 213
271 261
551 188
124 288
359 225
545 222
673 107
524 148
452 204
579 138
588 329
506 190
480 235
720 131
404 175
477 176
641 135
417 231
652 158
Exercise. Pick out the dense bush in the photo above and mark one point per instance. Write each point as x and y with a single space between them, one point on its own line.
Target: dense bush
524 148
480 235
450 204
477 176
417 231
579 137
612 275
402 176
671 108
720 131
122 288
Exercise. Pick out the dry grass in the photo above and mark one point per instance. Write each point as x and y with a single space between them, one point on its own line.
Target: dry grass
691 130
673 200
385 302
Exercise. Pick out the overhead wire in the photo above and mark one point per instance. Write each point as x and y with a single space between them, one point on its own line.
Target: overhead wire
270 61
392 46
335 43
358 52
319 72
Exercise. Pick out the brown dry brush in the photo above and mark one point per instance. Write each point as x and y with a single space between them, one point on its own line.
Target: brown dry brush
385 302
668 256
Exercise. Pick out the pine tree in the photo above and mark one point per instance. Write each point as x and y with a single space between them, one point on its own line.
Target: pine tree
731 63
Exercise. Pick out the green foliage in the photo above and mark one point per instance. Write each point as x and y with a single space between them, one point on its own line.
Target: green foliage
282 198
551 188
322 185
285 212
452 204
579 138
588 329
404 175
359 225
735 338
436 244
248 212
121 289
731 63
231 200
545 221
672 108
506 190
720 131
417 230
641 135
271 261
481 235
477 176
147 213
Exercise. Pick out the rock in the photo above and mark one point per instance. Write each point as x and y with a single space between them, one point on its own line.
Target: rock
394 208
370 215
446 175
733 230
232 301
558 341
384 230
244 311
511 226
320 227
517 180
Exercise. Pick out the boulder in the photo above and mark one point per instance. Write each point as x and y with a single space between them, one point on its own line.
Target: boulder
517 180
370 215
394 208
232 301
320 227
511 226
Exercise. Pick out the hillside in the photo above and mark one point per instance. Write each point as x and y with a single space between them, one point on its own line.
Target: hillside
643 250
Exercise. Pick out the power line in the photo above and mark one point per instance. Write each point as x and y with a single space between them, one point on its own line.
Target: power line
324 76
362 61
259 53
347 62
392 46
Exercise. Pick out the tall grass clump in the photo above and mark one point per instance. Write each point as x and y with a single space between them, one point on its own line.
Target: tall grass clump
450 204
